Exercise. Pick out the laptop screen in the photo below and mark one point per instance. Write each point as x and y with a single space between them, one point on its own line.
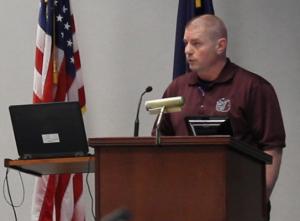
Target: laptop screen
49 130
208 125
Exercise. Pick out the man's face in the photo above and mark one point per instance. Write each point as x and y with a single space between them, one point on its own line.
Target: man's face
200 49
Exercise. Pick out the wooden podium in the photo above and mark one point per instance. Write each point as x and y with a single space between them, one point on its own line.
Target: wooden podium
209 178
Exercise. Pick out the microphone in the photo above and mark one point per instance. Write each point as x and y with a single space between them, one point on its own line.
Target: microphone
171 104
137 122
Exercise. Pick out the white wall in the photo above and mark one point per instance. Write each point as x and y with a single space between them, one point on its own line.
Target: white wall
127 45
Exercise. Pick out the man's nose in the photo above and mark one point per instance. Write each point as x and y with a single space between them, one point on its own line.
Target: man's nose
188 49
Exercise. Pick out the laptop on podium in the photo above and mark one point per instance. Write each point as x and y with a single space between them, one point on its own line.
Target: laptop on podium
47 130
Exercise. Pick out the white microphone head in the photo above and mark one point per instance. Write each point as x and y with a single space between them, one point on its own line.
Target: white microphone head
171 104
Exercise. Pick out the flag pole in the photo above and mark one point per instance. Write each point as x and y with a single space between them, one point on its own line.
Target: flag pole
55 72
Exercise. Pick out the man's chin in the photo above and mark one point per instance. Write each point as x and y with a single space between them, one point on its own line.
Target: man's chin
193 68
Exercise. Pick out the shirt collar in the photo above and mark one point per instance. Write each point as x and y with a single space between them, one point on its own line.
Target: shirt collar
226 75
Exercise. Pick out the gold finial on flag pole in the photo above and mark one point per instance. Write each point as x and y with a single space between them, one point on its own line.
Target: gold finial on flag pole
198 3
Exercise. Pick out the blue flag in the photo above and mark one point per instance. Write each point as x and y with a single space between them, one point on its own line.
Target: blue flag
187 9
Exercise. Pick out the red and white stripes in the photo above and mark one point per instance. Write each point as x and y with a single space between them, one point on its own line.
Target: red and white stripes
57 197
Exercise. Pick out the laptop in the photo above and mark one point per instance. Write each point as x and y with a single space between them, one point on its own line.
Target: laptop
48 130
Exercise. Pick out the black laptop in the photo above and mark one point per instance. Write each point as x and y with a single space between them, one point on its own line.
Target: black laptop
48 130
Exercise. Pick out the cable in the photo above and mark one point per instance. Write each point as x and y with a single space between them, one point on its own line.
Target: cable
23 191
89 190
8 191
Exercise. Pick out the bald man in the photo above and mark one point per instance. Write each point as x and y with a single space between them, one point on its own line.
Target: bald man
217 87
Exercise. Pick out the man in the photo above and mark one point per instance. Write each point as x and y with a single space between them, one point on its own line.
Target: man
217 87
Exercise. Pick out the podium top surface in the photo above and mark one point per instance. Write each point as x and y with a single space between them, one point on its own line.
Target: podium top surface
181 142
165 141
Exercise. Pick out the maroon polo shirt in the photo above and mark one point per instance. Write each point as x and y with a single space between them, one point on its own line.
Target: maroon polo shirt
246 98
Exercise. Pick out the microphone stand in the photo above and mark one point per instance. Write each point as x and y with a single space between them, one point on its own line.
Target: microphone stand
137 122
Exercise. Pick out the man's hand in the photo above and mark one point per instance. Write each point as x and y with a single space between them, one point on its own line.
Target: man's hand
272 170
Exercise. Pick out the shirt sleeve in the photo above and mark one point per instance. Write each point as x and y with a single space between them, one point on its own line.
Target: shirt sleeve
265 116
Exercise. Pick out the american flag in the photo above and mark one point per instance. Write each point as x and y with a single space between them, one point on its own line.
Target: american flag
57 77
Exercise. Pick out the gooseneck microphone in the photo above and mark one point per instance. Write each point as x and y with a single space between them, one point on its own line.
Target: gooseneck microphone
137 122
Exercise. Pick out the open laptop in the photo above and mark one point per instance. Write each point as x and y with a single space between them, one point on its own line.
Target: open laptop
48 130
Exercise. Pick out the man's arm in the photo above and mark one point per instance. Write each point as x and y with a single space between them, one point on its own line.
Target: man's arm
272 170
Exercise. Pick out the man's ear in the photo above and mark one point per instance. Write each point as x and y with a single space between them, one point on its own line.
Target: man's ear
221 45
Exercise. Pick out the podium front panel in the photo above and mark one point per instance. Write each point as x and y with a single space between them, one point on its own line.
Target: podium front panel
163 183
